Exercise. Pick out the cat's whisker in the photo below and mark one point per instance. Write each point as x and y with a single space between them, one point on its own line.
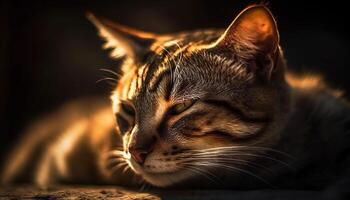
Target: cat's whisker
245 148
215 152
107 79
117 167
116 152
143 186
229 153
215 155
118 148
114 160
114 155
204 173
218 159
231 168
110 71
211 150
196 171
269 149
126 168
230 161
240 147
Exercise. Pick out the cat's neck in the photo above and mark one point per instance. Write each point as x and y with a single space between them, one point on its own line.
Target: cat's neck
317 112
315 135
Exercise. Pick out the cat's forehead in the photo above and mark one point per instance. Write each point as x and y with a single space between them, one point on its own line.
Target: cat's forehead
180 68
186 75
189 57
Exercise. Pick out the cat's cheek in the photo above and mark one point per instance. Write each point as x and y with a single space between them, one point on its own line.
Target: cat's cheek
135 167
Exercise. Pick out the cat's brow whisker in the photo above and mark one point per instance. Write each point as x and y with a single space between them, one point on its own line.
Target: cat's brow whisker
169 60
181 55
176 64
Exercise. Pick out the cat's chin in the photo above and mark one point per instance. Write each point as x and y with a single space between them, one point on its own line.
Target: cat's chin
161 179
165 179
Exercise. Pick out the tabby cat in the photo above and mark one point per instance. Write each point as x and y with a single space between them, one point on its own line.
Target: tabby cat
208 108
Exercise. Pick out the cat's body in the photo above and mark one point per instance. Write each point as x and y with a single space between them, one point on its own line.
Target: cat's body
288 131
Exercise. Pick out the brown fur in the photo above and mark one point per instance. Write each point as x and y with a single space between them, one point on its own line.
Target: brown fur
193 109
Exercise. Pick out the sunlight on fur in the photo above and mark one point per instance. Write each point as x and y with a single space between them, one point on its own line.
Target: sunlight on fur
198 109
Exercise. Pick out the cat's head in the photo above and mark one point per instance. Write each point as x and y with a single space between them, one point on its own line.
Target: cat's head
196 103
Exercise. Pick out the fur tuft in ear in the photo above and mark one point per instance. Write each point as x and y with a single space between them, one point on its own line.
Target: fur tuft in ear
123 40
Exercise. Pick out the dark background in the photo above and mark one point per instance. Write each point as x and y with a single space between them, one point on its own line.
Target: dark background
51 54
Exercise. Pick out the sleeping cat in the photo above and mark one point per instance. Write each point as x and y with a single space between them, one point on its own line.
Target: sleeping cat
208 108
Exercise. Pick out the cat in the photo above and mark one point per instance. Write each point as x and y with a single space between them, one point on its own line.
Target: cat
199 109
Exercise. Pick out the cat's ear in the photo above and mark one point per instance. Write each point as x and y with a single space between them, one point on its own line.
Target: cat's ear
253 34
123 40
253 29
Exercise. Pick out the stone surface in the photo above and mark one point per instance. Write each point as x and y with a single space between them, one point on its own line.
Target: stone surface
74 193
111 193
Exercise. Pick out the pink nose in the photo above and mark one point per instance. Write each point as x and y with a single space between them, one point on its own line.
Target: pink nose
139 155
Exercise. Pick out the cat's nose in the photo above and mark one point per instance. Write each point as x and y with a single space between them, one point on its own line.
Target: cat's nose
138 154
140 146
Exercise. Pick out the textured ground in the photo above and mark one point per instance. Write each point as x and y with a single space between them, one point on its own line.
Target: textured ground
73 193
110 193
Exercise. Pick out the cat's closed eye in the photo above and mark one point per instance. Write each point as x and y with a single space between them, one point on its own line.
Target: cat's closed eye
127 108
181 107
125 118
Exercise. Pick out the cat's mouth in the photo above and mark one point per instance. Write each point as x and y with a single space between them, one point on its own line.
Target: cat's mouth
159 172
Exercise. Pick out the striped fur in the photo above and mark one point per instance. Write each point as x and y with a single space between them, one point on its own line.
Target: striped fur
208 108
